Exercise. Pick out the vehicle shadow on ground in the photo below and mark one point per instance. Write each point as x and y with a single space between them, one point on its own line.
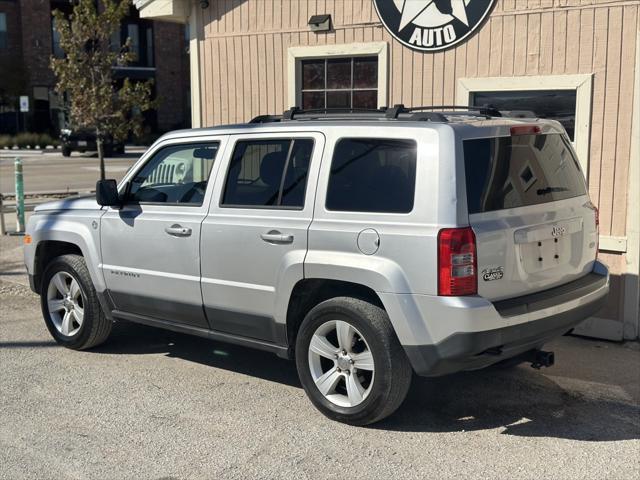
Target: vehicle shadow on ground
522 401
134 339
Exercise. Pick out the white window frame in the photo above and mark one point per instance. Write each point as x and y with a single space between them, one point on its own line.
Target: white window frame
297 54
582 84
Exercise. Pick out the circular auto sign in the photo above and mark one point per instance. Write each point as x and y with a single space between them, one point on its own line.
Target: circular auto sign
432 25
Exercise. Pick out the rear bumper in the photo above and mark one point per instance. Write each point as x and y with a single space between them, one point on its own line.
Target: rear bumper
528 323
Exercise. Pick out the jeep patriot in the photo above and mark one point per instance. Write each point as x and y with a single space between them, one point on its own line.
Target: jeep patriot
365 245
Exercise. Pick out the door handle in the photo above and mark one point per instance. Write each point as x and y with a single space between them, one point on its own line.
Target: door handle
178 230
275 236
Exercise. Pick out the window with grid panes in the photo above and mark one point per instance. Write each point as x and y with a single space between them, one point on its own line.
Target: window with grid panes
339 82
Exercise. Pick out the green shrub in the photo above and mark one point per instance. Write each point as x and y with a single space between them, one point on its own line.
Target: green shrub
26 140
6 141
44 139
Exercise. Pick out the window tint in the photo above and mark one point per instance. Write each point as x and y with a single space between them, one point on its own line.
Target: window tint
372 175
518 171
176 174
558 105
268 173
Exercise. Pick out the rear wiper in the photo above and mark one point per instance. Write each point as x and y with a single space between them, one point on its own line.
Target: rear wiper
544 191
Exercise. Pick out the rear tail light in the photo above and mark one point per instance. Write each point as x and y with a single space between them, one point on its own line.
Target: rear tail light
457 262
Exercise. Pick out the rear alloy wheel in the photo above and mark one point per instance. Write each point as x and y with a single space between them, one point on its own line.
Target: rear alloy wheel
70 304
344 374
350 361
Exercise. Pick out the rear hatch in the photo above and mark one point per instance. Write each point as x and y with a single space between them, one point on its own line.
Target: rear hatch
528 206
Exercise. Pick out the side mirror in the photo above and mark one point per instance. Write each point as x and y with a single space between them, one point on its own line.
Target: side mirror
107 193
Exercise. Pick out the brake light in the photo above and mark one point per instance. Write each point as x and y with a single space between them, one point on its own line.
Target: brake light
457 262
525 130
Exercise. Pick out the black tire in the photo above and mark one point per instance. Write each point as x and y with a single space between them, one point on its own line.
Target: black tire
66 151
108 151
393 371
95 328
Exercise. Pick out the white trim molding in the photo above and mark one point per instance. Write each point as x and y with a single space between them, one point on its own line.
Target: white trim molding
167 10
631 305
295 54
195 19
611 244
582 84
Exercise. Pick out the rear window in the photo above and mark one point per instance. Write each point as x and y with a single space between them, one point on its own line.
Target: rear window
372 175
518 171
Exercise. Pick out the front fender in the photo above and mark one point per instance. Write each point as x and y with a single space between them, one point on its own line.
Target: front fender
76 228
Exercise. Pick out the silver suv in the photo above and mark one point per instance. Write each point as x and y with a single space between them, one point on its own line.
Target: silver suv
364 245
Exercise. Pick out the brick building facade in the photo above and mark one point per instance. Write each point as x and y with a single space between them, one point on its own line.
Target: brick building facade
30 42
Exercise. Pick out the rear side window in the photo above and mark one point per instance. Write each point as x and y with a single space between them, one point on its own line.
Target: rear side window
518 171
372 175
268 173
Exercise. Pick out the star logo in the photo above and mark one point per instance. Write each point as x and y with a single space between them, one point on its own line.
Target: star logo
422 12
432 25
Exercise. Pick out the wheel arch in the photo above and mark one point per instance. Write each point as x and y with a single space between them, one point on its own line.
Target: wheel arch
309 292
46 251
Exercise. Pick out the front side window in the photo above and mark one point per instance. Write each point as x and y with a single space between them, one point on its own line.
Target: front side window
372 175
557 105
268 173
3 31
339 83
175 175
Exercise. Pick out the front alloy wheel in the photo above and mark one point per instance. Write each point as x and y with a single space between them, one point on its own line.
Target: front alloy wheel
70 304
65 303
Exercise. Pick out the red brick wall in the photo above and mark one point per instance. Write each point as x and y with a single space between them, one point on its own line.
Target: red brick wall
30 44
35 16
172 75
14 39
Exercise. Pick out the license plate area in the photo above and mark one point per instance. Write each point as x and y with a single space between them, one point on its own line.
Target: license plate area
548 246
82 143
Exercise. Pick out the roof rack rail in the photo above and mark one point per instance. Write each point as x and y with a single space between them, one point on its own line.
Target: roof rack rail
485 110
266 119
297 111
392 113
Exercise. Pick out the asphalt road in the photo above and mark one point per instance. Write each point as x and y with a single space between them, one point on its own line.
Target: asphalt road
50 171
152 404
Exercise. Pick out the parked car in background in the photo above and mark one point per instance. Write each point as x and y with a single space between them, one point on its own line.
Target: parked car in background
85 141
366 246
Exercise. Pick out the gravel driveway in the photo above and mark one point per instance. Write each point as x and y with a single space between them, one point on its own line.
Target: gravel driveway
155 404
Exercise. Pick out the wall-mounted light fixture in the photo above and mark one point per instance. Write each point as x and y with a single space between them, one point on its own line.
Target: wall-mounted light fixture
204 4
320 23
